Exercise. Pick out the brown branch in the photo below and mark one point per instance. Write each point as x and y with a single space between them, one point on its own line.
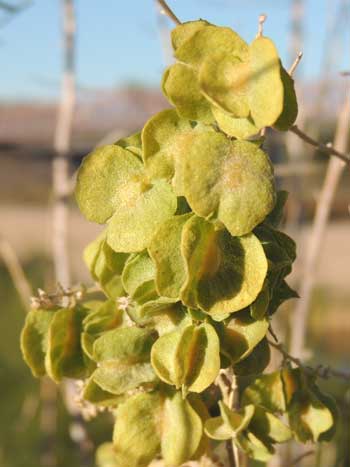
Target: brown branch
227 383
330 150
230 453
166 10
321 371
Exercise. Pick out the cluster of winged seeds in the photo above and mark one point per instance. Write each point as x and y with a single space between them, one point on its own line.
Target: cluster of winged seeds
191 265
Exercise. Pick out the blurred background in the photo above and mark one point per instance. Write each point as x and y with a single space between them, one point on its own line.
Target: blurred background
102 73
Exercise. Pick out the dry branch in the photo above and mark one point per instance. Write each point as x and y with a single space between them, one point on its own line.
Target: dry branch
330 150
321 371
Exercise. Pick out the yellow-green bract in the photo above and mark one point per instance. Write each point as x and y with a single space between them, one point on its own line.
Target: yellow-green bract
219 77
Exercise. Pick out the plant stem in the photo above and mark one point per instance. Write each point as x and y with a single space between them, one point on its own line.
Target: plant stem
295 63
167 11
321 371
227 383
330 150
230 453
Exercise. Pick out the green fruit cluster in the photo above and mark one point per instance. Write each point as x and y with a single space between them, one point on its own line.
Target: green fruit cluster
191 264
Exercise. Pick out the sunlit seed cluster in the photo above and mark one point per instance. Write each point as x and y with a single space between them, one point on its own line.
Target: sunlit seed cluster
191 267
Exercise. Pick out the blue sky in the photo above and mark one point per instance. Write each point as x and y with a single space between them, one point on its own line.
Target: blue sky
119 41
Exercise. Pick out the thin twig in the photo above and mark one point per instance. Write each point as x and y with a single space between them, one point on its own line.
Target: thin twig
273 334
324 372
230 453
330 150
16 271
227 383
301 457
261 21
234 404
295 64
166 10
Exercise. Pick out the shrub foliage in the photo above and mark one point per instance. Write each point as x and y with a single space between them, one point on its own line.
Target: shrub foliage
192 266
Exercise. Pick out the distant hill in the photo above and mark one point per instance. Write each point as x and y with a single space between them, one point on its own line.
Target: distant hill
120 111
124 110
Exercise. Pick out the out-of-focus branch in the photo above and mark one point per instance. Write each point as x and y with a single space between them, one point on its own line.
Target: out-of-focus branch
62 146
307 279
61 191
15 270
60 180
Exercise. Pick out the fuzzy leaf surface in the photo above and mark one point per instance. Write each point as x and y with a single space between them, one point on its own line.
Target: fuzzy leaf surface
180 86
231 181
34 339
165 250
65 356
182 430
136 436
